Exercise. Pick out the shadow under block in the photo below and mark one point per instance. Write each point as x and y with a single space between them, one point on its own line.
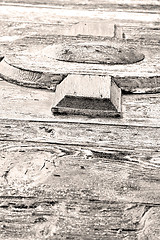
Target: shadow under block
88 95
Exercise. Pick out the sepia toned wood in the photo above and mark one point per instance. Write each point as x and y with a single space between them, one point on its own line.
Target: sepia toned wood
33 104
35 51
65 179
138 84
77 177
62 191
122 136
28 78
94 53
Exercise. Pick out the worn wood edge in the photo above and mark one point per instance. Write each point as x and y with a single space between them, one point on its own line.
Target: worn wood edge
144 84
42 80
58 110
29 78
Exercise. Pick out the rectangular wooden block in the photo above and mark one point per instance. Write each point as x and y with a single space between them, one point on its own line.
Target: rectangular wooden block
89 94
86 106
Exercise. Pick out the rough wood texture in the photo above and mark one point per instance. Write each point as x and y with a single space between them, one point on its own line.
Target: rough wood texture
103 54
138 84
34 50
29 78
33 104
91 134
76 178
77 191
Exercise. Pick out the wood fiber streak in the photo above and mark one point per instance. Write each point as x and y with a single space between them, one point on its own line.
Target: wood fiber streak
28 50
32 104
28 78
82 134
77 192
78 178
138 84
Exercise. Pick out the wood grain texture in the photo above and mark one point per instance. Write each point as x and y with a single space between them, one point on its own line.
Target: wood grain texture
35 51
68 191
45 61
94 53
33 104
138 84
121 137
29 78
75 178
27 51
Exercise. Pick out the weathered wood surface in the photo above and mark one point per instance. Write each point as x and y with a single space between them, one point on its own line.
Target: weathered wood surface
138 84
32 104
79 190
30 43
23 41
29 78
78 180
127 137
150 5
99 54
74 178
44 60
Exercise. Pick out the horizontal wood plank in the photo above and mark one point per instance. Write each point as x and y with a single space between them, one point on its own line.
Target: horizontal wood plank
65 191
32 104
127 137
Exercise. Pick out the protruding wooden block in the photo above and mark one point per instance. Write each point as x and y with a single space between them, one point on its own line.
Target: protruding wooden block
94 107
88 95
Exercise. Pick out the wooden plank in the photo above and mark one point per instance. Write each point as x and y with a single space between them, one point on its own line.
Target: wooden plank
121 137
24 103
33 104
62 191
141 108
151 7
